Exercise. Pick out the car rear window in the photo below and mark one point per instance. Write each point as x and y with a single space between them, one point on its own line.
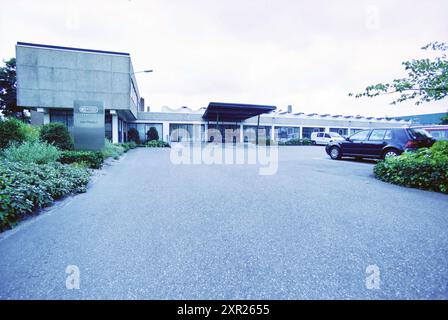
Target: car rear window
418 133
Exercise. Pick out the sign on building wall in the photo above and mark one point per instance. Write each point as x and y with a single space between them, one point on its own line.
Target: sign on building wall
88 125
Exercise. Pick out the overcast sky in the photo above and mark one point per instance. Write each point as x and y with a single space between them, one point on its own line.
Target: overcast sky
309 54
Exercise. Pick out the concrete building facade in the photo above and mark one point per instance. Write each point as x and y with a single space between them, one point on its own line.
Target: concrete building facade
51 78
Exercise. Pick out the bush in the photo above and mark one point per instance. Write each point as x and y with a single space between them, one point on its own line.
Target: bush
10 132
306 142
25 187
30 133
128 145
424 169
157 144
32 152
152 134
90 159
58 135
125 146
133 135
132 144
112 150
296 142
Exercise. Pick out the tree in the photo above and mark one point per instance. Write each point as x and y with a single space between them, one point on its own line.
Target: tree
133 135
57 134
427 79
11 132
8 90
444 119
152 134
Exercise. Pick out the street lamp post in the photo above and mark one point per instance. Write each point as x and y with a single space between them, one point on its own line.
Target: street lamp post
144 71
132 80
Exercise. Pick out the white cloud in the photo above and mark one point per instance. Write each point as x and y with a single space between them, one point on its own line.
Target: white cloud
306 53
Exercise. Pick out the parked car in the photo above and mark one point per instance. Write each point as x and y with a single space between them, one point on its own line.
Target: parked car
325 137
379 143
438 132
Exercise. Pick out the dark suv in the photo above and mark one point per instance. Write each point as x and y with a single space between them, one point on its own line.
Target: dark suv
379 143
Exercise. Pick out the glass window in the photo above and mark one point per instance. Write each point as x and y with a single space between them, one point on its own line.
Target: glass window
134 96
327 135
180 132
147 126
120 130
418 133
320 135
62 116
108 125
285 133
377 135
307 131
360 136
341 131
388 135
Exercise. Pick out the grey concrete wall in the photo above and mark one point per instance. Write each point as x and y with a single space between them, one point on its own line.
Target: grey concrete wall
324 122
167 116
269 120
53 78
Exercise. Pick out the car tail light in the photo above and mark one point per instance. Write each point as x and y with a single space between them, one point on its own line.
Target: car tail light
411 144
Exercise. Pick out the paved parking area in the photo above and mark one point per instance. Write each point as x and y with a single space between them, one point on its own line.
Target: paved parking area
148 229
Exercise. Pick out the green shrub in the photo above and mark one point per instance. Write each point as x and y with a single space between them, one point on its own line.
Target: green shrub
58 135
306 142
30 133
133 135
90 159
32 152
424 169
25 187
296 142
152 134
11 131
112 150
157 144
132 144
128 145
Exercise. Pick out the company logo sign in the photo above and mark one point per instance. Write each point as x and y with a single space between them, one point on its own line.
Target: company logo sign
88 109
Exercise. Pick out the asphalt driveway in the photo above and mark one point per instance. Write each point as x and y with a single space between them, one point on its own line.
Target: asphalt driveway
149 229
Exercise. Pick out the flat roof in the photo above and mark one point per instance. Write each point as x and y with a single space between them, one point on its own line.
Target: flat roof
219 111
46 46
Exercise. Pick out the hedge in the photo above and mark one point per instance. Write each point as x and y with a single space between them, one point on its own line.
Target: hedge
57 134
35 152
128 145
425 169
296 142
25 187
11 131
91 159
157 144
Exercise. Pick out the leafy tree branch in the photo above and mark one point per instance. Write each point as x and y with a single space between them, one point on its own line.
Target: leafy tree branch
427 79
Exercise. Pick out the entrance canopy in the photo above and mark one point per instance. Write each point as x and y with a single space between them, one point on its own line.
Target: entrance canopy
233 112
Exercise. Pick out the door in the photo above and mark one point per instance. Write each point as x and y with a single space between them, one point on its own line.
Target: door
376 142
320 138
355 144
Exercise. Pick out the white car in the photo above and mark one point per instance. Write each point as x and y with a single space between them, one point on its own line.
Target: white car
325 137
